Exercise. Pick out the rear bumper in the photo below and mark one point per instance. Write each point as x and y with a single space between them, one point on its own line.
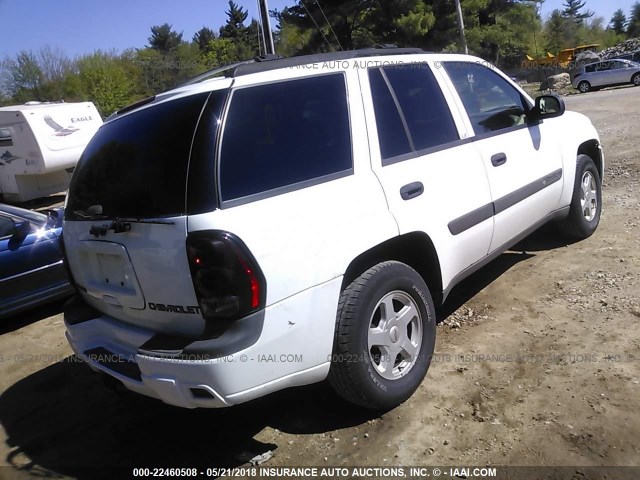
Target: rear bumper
292 348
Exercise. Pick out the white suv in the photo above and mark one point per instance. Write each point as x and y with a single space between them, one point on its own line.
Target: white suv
299 219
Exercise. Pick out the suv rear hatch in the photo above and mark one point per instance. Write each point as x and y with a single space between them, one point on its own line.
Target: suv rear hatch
126 216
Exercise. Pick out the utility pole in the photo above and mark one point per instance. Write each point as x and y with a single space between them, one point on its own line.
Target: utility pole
463 39
267 34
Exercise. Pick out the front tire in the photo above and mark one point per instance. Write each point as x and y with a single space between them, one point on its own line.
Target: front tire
385 336
586 203
584 86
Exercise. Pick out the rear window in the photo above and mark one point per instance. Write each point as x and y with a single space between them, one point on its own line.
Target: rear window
136 166
283 135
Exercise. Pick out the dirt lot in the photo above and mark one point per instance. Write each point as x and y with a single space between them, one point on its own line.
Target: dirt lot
538 363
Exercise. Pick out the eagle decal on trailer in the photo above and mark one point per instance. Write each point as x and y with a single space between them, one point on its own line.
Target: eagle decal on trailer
59 130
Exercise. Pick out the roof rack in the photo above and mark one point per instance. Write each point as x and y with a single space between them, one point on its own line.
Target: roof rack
216 71
274 62
269 62
265 63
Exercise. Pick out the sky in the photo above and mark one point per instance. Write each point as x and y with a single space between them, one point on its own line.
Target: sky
82 26
602 8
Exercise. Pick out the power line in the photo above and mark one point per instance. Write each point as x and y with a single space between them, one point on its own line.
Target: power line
330 27
316 24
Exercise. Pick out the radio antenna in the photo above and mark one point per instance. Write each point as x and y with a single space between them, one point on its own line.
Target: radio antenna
267 34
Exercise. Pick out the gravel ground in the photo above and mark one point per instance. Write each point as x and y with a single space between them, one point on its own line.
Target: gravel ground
537 363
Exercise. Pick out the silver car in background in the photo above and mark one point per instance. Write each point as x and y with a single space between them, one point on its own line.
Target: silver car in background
605 74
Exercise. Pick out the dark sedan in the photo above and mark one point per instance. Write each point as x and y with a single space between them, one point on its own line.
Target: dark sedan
31 265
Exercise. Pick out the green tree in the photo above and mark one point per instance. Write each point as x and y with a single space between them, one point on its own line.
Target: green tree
57 70
618 22
202 38
5 83
105 82
188 63
152 71
573 11
633 27
234 28
26 76
164 39
336 25
291 39
501 31
220 52
245 38
554 32
595 32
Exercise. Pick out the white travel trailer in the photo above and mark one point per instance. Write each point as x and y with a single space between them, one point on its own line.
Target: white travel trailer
40 144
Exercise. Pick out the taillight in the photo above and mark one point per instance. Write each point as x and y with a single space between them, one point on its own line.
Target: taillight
226 277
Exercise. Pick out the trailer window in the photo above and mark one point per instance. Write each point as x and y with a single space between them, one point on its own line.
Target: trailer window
5 138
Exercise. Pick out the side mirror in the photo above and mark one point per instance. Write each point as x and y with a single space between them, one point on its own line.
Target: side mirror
21 229
547 106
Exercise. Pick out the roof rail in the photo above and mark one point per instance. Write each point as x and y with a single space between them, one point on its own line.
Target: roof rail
275 62
216 71
135 105
269 62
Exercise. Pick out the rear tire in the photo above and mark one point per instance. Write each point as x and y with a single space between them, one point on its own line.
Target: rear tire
385 336
636 80
584 86
586 203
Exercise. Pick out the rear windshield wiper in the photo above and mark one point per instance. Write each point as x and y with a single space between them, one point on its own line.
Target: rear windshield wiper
144 220
121 225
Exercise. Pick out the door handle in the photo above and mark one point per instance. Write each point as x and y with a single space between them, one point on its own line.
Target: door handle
498 159
412 190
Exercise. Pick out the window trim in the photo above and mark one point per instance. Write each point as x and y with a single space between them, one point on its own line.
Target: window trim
191 146
403 119
224 204
274 192
425 151
456 143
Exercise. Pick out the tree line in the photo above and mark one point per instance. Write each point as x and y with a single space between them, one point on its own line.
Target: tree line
501 31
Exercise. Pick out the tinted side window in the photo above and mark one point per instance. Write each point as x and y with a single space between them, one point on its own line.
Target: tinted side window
424 107
590 68
392 134
136 165
6 226
491 102
284 133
